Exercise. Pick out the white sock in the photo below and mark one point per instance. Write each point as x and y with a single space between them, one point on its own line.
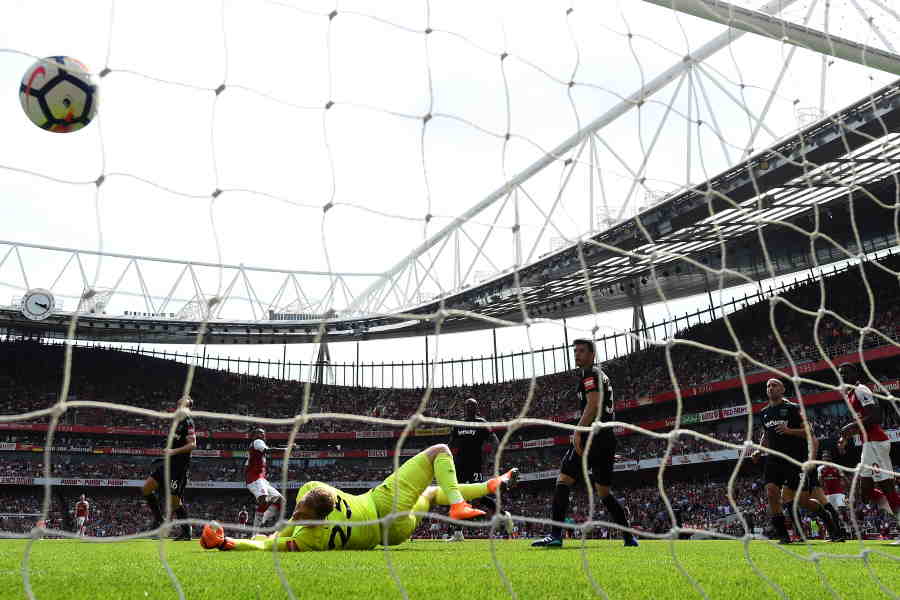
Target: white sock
273 510
257 521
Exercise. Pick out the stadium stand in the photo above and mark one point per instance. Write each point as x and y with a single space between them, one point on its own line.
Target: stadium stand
104 452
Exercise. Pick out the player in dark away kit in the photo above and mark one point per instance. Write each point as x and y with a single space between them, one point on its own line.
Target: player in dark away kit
784 431
596 395
468 444
179 454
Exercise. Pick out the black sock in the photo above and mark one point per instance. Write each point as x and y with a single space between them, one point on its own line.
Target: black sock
153 502
560 507
779 525
795 523
617 513
835 518
181 513
830 523
487 502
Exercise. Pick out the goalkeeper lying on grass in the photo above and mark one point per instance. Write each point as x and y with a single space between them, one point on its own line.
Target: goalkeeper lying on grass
317 501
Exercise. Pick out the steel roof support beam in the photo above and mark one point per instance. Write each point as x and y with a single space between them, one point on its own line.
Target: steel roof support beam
637 98
767 25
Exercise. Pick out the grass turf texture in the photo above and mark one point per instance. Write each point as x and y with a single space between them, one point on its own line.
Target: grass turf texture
63 569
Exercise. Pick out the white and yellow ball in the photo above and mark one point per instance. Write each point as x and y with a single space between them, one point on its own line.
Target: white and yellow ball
58 94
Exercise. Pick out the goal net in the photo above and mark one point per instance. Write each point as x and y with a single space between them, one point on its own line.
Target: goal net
706 190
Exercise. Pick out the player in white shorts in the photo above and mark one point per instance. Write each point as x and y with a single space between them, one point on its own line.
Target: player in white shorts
82 511
875 479
268 499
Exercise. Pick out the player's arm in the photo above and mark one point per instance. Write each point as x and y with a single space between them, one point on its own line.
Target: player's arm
764 442
452 440
588 416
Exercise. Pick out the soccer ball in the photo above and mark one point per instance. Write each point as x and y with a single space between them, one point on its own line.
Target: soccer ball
58 94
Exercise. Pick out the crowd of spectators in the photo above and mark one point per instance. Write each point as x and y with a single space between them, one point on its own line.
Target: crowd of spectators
124 378
71 466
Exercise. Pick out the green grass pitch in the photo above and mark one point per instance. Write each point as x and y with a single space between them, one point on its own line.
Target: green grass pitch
63 569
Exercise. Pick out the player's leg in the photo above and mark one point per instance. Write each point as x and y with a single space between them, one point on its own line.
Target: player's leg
474 491
818 494
148 491
792 487
260 495
871 460
275 500
881 475
465 474
402 527
179 509
569 473
435 495
773 477
402 489
839 502
258 512
601 461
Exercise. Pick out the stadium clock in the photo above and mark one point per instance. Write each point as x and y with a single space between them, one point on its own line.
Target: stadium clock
37 304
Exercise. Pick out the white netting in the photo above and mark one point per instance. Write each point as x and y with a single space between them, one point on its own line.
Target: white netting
292 147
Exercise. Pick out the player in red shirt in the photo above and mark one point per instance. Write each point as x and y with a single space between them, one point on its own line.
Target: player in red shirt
268 499
875 479
242 518
834 483
82 512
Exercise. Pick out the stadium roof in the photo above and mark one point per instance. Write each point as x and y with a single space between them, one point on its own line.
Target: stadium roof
677 248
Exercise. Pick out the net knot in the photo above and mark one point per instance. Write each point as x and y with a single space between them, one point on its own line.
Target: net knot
58 409
332 14
220 89
105 72
100 180
216 193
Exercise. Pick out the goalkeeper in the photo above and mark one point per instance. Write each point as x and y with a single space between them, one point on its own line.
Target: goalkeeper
411 484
